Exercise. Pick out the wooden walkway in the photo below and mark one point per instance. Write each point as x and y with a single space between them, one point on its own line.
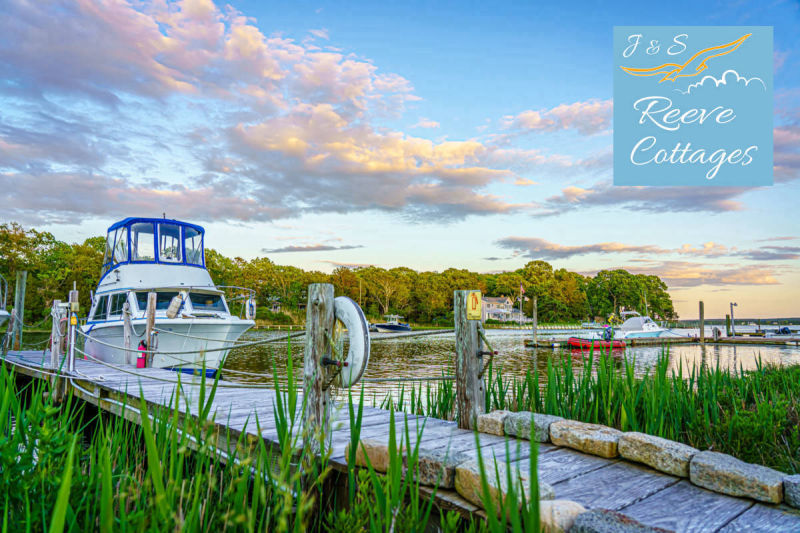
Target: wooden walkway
641 493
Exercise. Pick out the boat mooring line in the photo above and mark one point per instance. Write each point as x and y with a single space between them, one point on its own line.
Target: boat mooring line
156 352
121 369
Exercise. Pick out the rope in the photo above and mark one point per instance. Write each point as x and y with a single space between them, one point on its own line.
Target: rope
193 336
225 348
126 371
26 326
39 369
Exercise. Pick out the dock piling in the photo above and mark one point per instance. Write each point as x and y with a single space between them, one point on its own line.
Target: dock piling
19 307
150 325
469 383
702 324
56 334
535 321
319 327
73 325
127 333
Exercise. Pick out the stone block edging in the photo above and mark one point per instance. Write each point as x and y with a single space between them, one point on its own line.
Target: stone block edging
714 471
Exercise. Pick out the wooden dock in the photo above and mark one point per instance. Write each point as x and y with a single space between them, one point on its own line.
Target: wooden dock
641 493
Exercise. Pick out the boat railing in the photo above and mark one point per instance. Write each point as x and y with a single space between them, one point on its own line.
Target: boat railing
246 297
249 293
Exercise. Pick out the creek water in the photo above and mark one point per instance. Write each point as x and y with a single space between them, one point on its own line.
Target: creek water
433 356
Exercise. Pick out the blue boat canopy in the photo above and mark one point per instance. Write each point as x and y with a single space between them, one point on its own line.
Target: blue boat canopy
154 240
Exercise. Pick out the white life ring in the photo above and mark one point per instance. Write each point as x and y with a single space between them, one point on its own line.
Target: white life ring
351 315
250 309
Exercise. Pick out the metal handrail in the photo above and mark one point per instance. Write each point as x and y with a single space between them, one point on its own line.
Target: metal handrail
251 291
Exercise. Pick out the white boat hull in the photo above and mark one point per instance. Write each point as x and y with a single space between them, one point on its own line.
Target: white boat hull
201 339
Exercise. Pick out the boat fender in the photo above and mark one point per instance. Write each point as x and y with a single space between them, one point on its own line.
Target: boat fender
351 315
250 309
176 304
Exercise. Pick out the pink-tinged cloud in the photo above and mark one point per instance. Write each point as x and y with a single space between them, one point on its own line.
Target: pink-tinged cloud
655 199
38 198
537 248
685 274
587 118
426 123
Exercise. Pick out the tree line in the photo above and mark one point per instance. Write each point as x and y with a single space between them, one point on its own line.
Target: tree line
422 297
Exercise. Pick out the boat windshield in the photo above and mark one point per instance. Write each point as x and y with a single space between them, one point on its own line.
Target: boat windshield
169 238
207 302
163 298
143 242
153 241
193 244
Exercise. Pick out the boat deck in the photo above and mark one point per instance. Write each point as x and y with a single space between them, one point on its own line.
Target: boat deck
641 493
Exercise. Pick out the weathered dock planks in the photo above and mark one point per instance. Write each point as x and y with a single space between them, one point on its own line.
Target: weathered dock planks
639 492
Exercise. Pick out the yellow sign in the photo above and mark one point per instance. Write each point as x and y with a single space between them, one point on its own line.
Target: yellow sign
474 302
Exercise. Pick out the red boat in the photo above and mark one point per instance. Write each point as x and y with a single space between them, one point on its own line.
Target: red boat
586 344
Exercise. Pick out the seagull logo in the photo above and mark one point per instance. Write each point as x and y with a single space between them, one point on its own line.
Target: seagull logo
694 66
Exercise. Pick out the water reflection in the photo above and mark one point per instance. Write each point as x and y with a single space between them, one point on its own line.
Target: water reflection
433 355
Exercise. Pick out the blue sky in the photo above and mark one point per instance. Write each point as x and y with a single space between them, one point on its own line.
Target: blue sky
430 136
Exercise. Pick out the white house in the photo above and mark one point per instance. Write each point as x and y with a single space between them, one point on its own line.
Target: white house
496 308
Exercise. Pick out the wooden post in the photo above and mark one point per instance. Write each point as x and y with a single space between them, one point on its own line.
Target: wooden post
7 341
728 325
319 328
56 334
469 386
127 332
150 325
73 328
19 307
702 324
535 320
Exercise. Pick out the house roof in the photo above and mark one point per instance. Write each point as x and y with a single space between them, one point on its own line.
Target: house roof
496 299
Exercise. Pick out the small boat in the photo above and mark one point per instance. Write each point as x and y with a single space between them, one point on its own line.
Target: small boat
392 325
586 344
193 323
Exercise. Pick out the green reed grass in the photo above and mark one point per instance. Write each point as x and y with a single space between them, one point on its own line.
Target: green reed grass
68 467
751 414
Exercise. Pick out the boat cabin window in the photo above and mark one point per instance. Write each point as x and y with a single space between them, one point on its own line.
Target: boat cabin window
100 308
162 300
207 302
108 251
169 248
116 302
193 244
143 242
121 246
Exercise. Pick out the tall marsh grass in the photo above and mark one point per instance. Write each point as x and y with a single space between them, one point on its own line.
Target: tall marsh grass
69 467
753 415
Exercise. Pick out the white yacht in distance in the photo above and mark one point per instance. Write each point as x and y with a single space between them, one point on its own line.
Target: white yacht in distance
192 316
637 326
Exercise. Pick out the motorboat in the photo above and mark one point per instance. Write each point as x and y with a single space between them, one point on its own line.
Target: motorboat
193 324
636 326
392 325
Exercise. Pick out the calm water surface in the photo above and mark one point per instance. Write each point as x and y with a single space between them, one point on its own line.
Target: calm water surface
433 355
